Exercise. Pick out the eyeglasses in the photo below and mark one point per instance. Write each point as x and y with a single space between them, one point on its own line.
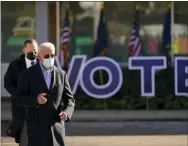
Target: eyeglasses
49 56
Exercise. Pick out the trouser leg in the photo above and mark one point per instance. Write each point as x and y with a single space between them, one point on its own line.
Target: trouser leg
24 136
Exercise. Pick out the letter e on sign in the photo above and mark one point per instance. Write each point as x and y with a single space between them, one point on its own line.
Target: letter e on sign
181 76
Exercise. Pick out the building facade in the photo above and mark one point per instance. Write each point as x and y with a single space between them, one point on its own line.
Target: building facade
44 22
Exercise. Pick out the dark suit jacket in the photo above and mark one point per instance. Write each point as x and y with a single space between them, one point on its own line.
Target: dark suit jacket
11 79
43 121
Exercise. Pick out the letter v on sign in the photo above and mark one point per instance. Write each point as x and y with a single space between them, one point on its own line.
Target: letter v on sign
75 71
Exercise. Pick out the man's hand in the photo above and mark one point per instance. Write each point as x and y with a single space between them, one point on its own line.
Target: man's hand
63 116
41 99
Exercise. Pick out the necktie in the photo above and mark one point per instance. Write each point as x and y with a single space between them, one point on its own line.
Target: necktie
32 63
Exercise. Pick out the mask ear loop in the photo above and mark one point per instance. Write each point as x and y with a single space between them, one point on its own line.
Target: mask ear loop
35 53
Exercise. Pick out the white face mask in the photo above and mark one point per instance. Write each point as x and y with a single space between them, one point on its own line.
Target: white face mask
48 63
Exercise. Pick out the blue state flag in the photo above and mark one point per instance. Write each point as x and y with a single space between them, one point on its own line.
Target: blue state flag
101 44
166 40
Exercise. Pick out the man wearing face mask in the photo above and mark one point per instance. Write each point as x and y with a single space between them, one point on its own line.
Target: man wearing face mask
11 79
48 98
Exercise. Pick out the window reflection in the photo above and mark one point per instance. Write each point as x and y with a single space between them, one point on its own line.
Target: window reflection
25 26
151 26
17 26
24 23
152 16
181 39
82 32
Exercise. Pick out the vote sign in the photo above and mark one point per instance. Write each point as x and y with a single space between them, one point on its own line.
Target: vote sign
81 73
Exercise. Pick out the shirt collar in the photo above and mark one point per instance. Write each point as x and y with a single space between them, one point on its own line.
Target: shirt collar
35 60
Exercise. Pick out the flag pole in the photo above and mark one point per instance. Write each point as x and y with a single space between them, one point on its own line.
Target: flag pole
96 21
147 98
172 29
100 72
57 28
57 33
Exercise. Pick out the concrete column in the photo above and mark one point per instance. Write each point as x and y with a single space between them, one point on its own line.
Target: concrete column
42 34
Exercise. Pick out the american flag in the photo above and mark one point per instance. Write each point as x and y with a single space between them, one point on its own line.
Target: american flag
134 44
65 33
65 38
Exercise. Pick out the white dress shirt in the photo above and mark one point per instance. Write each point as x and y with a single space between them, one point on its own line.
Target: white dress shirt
28 62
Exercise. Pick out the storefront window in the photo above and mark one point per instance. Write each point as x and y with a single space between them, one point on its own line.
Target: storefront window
152 16
181 39
82 29
17 25
120 22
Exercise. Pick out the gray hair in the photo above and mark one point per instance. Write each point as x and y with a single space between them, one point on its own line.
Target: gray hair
46 45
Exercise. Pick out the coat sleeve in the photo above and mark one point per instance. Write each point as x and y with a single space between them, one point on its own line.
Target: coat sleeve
67 99
22 97
9 84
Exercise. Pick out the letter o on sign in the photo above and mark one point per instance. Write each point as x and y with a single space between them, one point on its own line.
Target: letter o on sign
101 91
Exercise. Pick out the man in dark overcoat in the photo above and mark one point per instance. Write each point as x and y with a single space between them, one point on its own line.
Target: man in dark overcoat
44 89
11 79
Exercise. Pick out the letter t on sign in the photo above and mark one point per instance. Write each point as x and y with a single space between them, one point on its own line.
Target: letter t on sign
147 66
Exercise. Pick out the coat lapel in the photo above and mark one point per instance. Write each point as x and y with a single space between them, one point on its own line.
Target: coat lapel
54 78
22 62
41 77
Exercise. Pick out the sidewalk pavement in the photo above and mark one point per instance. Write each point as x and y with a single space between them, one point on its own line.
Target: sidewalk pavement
161 140
112 115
